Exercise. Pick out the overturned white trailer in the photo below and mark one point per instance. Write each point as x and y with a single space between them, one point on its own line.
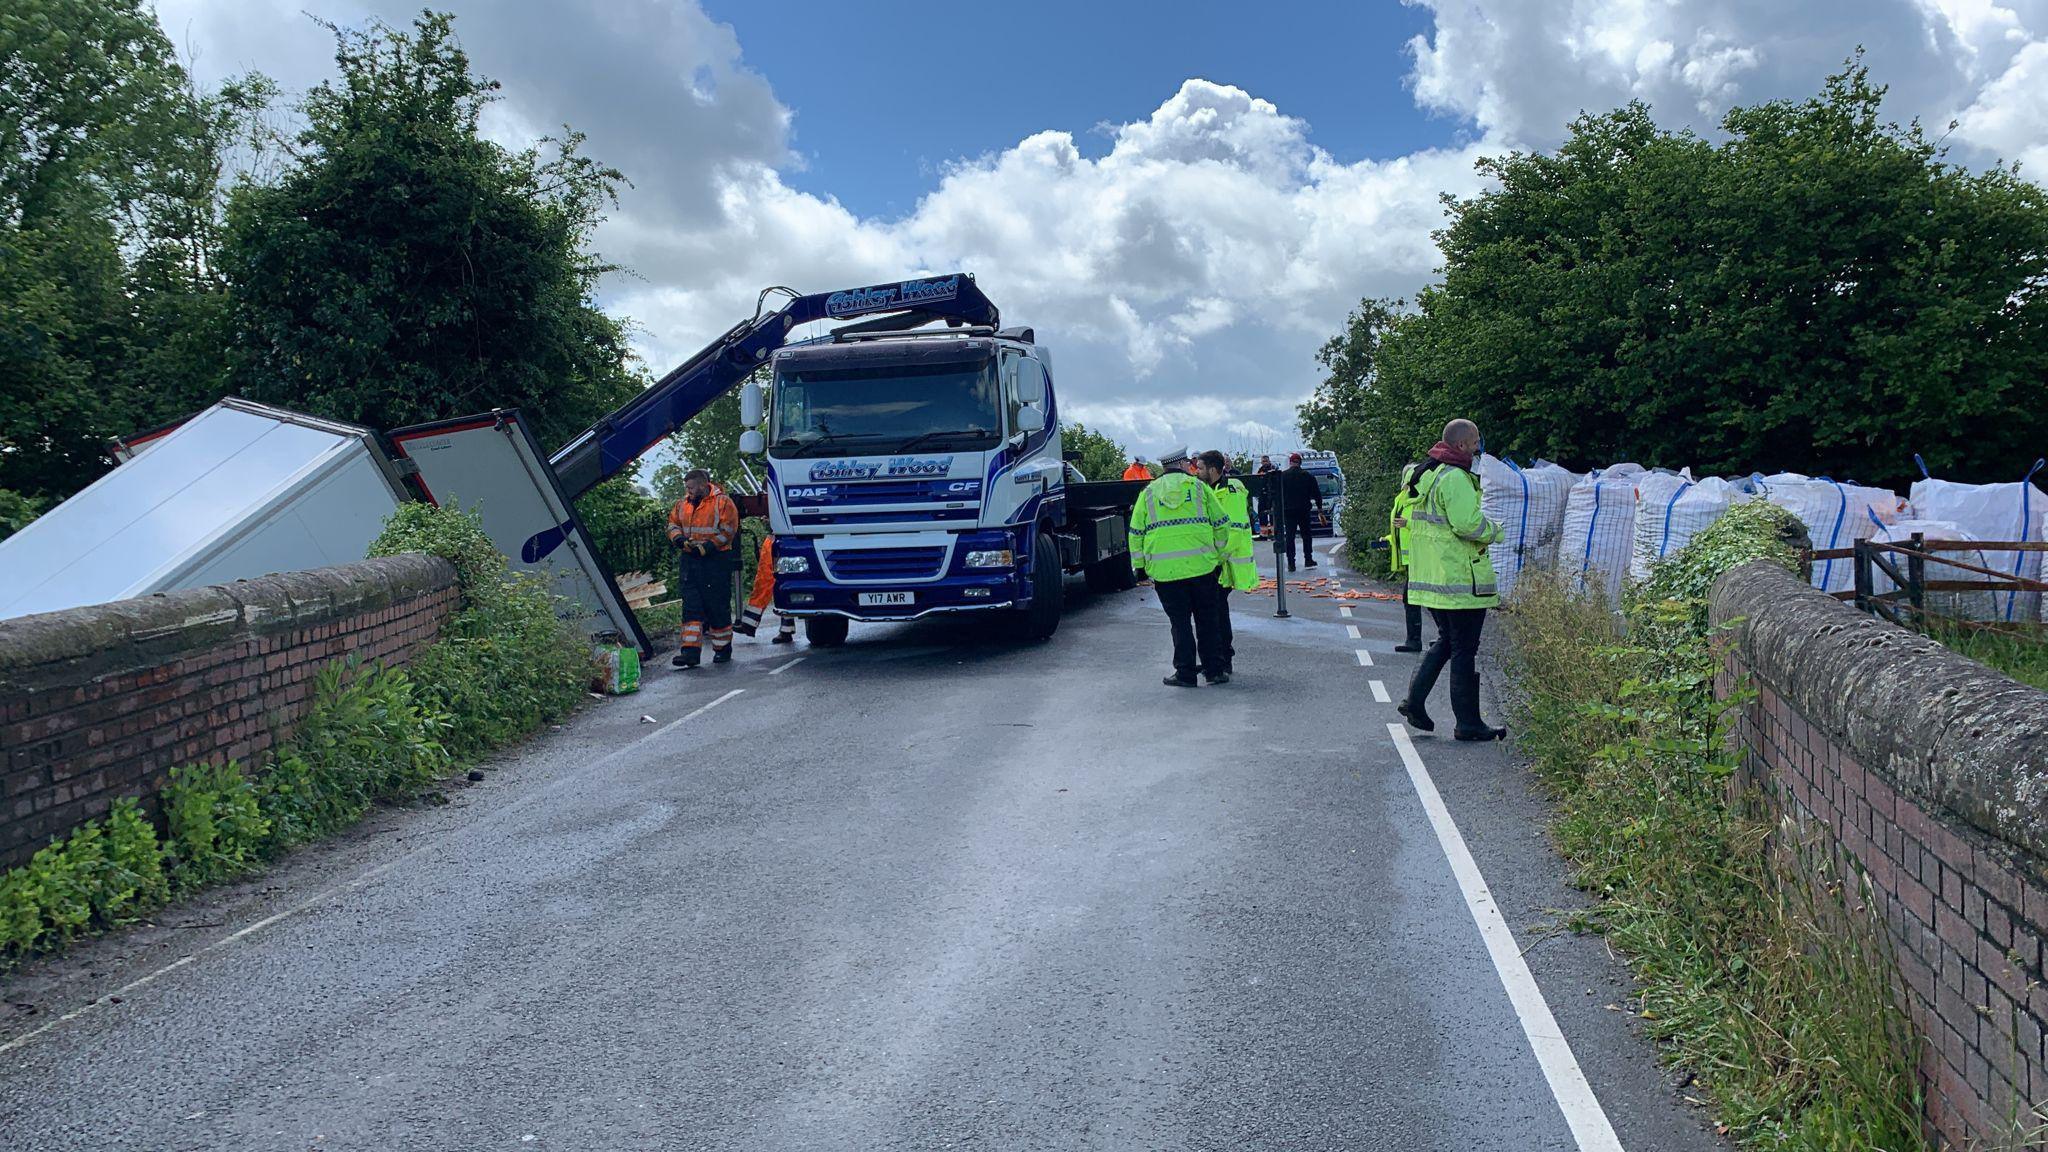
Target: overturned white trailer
240 490
244 490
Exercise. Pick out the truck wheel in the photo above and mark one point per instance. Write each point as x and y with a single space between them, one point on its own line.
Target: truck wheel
825 631
1042 618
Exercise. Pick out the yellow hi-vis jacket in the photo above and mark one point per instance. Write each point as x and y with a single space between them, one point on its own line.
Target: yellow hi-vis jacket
1178 529
1397 521
1238 572
1448 565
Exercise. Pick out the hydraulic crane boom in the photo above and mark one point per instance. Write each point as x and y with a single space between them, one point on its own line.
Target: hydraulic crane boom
623 436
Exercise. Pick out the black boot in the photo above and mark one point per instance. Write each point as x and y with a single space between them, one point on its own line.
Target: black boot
687 658
1416 716
721 655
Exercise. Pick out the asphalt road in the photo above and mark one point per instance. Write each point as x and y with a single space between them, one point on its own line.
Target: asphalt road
926 891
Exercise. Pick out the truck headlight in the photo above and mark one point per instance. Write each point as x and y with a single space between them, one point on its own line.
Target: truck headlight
995 558
784 565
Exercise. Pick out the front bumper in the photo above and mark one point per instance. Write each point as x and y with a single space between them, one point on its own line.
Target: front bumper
957 589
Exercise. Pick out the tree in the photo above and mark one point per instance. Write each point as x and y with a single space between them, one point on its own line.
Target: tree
110 166
1101 458
709 440
1821 292
404 268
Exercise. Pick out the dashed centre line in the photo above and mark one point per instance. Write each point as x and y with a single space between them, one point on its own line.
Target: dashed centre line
1351 630
1364 658
1379 693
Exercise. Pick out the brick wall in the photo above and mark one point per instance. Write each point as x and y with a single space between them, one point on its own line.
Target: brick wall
1926 777
101 702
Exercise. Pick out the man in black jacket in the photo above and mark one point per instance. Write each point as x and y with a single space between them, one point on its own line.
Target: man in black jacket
1300 494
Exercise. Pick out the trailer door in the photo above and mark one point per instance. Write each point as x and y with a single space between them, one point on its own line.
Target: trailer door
490 465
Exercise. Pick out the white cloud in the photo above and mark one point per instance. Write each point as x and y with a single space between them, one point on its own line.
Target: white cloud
1185 278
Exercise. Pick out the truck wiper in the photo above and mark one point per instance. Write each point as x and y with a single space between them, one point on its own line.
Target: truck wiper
804 447
921 437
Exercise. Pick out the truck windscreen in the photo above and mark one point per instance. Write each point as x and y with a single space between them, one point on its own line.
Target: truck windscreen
872 410
1329 484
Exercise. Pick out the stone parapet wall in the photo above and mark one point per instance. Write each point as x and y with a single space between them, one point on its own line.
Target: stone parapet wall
1926 774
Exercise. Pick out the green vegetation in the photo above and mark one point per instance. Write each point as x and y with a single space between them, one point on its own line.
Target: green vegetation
1102 458
1776 1000
1816 289
2022 655
16 512
160 249
505 664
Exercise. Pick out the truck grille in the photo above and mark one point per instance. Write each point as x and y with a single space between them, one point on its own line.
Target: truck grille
885 563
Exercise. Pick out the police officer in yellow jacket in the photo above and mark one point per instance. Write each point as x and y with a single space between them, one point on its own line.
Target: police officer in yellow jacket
1178 536
1451 574
1238 572
1397 555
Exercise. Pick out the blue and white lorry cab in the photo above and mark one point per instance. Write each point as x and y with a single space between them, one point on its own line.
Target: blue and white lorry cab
920 472
1330 482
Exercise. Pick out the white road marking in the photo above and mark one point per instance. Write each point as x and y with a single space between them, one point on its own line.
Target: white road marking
1379 693
1364 658
1351 630
777 671
1582 1111
1345 609
355 884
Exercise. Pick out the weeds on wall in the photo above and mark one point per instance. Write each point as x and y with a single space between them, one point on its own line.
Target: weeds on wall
1777 1003
505 664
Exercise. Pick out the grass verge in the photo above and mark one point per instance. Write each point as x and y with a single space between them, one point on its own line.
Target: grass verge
1753 978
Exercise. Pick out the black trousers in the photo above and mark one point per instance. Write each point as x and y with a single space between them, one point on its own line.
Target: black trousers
1457 644
1411 616
1300 526
705 584
1194 610
1223 622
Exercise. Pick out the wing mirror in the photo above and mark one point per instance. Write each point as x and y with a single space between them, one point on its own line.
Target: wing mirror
752 443
751 405
1030 419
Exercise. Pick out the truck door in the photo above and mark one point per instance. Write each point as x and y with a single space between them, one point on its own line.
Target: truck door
490 465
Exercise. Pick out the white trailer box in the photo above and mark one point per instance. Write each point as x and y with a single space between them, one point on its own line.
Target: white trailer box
240 490
490 465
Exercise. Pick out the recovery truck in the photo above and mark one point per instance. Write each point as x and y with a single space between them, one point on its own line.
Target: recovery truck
912 469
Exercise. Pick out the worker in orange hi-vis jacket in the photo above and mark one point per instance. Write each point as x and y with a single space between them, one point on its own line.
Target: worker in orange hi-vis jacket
763 596
705 527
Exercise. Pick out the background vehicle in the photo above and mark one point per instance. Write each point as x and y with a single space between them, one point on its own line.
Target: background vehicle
1330 481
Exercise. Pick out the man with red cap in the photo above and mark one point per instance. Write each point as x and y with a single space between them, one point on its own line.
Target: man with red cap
1298 495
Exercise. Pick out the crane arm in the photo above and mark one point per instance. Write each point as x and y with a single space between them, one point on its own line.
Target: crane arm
612 444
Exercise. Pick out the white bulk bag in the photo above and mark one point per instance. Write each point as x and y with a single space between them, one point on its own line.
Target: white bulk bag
1599 529
1528 504
1995 513
1669 515
1836 516
1962 605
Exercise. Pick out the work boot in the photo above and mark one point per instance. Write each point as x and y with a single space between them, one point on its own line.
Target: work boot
784 638
721 655
1175 681
685 659
1480 734
1416 716
1219 677
1414 644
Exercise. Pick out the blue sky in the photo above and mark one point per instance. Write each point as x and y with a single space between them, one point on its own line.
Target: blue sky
885 94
